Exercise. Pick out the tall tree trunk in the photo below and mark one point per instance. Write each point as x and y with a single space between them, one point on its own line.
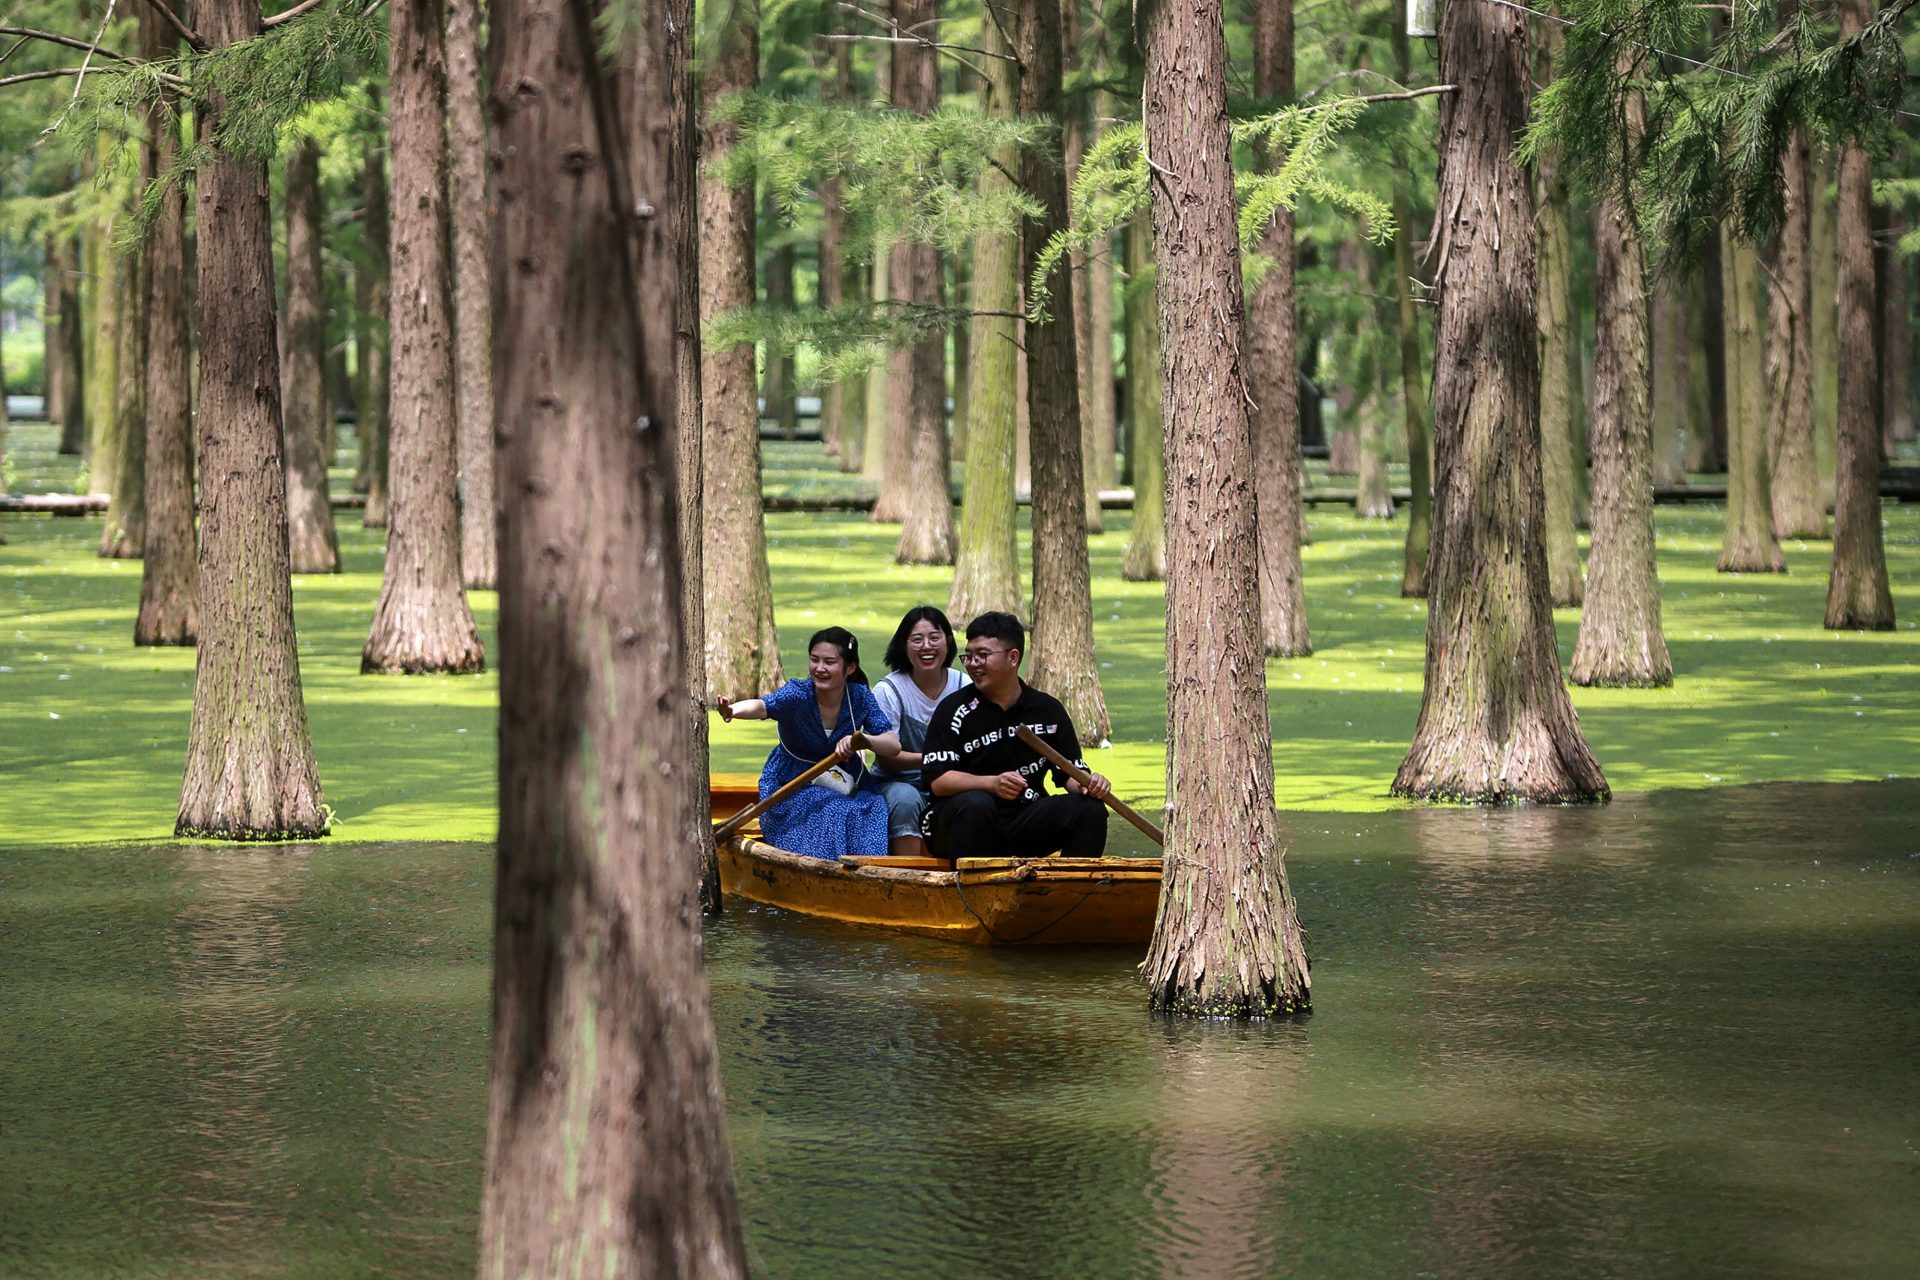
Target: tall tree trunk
742 649
1795 486
71 406
421 622
1707 445
1413 375
1075 127
986 574
834 259
1823 252
376 413
1857 595
961 285
1495 720
878 420
776 385
606 1140
1227 941
1373 497
168 577
1063 659
250 772
313 545
1559 360
1146 558
51 349
100 301
124 536
1748 545
472 319
926 533
1896 332
1671 338
1273 377
1620 640
1102 409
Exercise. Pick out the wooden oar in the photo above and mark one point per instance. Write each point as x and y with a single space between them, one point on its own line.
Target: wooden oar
1079 775
722 830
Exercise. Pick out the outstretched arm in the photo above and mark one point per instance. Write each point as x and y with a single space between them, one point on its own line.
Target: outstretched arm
744 709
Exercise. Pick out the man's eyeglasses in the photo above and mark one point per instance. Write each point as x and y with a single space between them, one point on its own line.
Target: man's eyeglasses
975 657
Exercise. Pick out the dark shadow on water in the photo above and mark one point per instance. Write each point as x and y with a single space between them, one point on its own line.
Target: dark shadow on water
1672 1036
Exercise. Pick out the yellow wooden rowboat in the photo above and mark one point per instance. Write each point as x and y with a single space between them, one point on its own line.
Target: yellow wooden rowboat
987 901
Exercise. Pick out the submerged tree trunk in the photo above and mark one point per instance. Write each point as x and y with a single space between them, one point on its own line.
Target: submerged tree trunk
1273 378
1794 484
125 534
742 650
1672 343
250 772
472 318
1620 641
1146 558
313 546
986 574
168 577
1227 942
1495 720
421 622
1748 544
1559 379
926 533
376 412
1062 640
606 1140
1857 595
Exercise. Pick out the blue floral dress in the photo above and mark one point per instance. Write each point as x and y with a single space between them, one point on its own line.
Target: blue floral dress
816 821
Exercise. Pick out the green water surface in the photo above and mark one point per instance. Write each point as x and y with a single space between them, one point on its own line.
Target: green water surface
1671 1037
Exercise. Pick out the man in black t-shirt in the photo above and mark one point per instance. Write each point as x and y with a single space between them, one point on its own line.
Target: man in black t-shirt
989 788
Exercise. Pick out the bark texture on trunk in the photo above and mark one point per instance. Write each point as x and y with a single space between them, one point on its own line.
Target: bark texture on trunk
1273 376
1227 942
1858 598
742 649
1621 642
1063 657
168 574
986 573
1794 484
1748 544
472 317
125 534
606 1140
376 411
1559 364
313 546
1146 557
1495 720
1823 252
1896 332
421 622
250 772
1672 341
926 533
71 407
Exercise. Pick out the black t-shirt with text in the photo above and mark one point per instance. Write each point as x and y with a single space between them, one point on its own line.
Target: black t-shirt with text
972 734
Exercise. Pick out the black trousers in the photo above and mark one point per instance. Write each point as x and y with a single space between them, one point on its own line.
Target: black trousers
976 824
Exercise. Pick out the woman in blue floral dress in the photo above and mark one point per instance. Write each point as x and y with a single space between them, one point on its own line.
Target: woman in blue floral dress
817 718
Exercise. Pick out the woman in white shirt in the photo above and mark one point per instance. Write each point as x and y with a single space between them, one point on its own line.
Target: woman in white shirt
921 675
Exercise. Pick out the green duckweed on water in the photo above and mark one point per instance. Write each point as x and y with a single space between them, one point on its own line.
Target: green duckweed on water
93 731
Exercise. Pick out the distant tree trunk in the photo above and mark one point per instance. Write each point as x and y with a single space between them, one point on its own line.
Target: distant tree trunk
1706 446
1227 942
1273 377
421 622
1857 594
926 534
71 406
606 1140
986 574
834 259
376 412
1074 125
168 577
1620 640
1823 252
51 349
1795 486
1062 639
1896 332
472 318
1673 424
1413 374
1495 720
1102 409
1372 497
879 390
742 650
250 772
1748 545
100 294
313 545
125 533
1146 557
962 337
1559 361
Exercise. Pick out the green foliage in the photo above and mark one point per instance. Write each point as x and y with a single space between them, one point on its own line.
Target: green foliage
849 339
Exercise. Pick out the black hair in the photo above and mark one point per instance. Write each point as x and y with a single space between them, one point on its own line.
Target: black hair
999 626
843 640
897 648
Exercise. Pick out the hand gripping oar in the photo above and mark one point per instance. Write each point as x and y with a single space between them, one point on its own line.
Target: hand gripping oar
1079 775
722 830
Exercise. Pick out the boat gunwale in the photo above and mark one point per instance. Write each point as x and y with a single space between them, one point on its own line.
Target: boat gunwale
1002 870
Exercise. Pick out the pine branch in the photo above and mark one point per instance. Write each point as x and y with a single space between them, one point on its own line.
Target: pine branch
54 37
194 39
